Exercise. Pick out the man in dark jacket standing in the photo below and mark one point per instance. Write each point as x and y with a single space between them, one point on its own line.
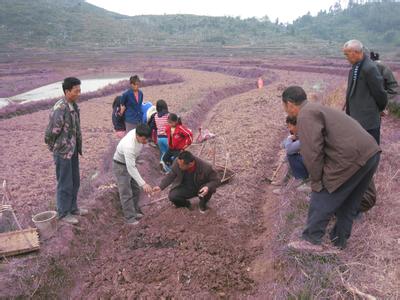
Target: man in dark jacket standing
389 81
63 137
366 98
341 158
190 176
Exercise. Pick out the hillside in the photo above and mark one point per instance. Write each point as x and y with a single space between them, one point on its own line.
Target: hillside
374 23
75 23
61 23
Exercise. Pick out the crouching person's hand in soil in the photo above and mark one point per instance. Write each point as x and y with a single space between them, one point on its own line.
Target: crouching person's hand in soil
188 173
155 190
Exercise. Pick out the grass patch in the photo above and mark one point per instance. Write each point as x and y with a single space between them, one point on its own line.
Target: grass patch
394 109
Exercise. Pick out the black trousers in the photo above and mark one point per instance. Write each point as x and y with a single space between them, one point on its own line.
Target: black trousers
369 198
181 194
376 134
344 203
170 156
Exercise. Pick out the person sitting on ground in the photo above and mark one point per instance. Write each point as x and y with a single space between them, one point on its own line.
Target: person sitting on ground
294 158
118 117
341 158
190 177
179 139
132 101
158 123
125 171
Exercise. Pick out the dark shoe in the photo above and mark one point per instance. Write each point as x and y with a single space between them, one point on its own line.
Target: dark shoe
339 244
163 167
189 206
203 205
359 216
185 204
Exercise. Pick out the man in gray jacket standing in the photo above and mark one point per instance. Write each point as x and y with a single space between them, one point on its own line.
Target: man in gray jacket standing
341 158
63 137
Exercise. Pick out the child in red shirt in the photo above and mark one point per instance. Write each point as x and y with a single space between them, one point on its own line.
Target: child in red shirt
179 138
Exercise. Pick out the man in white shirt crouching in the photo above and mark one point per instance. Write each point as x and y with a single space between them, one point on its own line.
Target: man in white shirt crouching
128 178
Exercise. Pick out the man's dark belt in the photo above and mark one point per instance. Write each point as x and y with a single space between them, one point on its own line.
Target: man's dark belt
118 162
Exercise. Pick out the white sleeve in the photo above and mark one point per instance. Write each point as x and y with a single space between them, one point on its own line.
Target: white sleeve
130 161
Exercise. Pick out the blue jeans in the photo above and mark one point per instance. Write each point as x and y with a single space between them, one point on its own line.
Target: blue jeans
162 145
169 158
68 181
297 167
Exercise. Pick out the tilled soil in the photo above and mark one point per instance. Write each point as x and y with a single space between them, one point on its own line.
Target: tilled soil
170 246
172 253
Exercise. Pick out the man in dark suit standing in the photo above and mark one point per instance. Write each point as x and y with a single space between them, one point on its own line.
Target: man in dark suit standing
366 98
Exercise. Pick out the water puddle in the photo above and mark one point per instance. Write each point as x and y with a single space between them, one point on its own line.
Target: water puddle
54 90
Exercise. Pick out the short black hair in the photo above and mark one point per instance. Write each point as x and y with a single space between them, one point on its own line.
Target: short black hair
294 94
143 130
69 83
134 79
161 106
174 118
374 55
117 101
291 120
186 156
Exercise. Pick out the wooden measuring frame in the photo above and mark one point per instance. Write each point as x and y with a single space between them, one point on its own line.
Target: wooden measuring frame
19 241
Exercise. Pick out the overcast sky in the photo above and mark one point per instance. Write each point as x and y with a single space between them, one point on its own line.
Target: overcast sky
285 10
